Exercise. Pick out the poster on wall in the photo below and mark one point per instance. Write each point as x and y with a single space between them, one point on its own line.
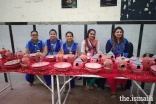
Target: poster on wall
138 10
108 3
69 3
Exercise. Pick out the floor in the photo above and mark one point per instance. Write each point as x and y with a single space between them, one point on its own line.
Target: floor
22 93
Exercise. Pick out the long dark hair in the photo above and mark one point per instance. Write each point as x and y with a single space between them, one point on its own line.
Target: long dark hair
89 32
115 40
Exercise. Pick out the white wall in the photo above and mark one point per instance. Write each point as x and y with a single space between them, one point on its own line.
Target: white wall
5 37
51 11
148 44
21 34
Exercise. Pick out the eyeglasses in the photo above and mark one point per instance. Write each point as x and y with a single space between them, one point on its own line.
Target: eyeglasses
34 35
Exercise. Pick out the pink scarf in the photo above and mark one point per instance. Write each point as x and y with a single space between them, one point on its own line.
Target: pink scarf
92 46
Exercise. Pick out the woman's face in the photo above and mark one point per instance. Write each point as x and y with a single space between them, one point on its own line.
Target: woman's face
53 35
118 33
69 37
91 35
34 36
68 1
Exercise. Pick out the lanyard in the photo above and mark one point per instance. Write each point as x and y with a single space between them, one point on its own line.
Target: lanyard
69 46
52 46
36 47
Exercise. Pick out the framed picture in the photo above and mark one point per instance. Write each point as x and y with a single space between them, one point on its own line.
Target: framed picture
69 3
108 3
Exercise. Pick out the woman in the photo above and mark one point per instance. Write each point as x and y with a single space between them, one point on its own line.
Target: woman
70 47
90 46
52 47
31 47
119 46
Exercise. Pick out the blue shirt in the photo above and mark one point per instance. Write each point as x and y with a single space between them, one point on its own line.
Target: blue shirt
34 47
53 46
71 48
124 50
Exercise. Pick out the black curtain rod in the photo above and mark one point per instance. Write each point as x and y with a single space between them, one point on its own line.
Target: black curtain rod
85 23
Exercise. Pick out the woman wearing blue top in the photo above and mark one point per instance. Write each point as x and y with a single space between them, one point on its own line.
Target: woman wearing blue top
52 47
70 46
31 47
119 46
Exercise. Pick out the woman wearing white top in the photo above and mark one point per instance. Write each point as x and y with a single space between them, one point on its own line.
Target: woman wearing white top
90 46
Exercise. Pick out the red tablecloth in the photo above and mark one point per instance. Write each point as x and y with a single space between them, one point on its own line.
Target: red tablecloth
144 76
